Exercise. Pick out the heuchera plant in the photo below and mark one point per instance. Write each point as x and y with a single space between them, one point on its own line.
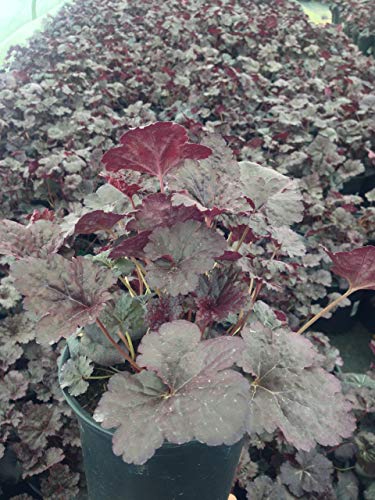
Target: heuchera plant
166 289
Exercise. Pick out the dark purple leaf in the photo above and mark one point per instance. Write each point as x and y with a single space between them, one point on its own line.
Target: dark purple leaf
154 150
264 488
63 294
186 377
61 483
131 247
180 253
157 210
357 266
290 389
220 293
97 221
162 310
310 473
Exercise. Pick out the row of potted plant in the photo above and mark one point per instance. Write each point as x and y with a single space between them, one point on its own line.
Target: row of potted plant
163 306
59 115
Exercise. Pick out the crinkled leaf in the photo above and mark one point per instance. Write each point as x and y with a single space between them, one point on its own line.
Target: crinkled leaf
357 266
38 423
157 210
205 183
264 488
35 240
13 386
290 389
289 242
73 374
219 293
108 199
131 247
310 473
63 294
266 315
154 150
161 310
180 253
96 221
272 193
60 484
188 394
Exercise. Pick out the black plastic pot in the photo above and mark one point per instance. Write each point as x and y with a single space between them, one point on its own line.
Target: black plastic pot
192 471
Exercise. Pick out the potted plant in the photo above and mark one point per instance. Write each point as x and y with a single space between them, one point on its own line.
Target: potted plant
171 356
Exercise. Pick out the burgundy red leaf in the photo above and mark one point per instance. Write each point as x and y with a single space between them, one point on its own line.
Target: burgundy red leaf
154 150
97 221
357 266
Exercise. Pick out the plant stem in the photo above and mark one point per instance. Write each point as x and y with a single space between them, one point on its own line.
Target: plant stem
125 281
131 347
140 274
325 310
161 183
98 377
242 239
116 346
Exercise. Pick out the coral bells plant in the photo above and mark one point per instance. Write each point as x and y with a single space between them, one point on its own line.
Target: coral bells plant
160 300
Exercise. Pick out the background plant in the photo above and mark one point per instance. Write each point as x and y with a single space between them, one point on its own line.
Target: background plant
57 169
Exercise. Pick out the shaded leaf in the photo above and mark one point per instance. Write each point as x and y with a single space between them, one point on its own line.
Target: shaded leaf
357 267
161 310
154 150
290 389
63 294
60 484
219 294
73 374
311 473
157 210
131 247
264 488
187 377
181 253
347 486
96 221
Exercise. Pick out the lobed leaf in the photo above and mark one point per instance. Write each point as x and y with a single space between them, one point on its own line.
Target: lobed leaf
73 374
157 211
311 473
290 392
180 253
186 394
154 150
264 488
205 184
219 294
357 267
272 193
39 239
63 294
97 221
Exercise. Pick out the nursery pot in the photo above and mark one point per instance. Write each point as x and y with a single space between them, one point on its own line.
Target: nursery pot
191 471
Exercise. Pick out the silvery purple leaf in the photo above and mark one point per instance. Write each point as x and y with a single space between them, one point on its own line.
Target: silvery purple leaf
187 393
